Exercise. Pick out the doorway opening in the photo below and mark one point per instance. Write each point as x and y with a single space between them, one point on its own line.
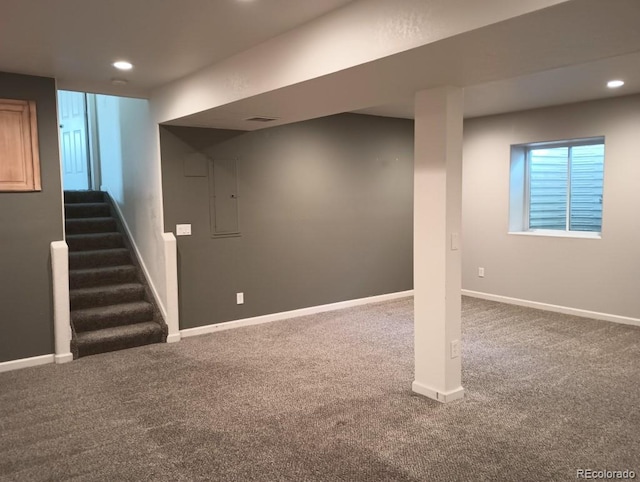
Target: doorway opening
80 160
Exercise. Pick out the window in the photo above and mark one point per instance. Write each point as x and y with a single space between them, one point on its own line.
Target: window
557 187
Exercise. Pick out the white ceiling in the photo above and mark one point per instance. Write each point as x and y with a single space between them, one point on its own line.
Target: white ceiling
77 40
552 56
574 83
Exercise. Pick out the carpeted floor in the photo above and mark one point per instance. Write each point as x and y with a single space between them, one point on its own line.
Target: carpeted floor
327 397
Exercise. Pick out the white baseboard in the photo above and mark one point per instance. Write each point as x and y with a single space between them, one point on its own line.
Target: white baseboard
228 325
26 363
444 397
555 308
173 338
64 358
145 271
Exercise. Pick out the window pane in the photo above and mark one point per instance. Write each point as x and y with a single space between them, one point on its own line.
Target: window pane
548 188
587 175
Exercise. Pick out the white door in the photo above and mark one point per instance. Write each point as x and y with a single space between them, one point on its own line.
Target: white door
72 109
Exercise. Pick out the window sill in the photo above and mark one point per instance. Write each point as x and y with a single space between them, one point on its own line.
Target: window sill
559 234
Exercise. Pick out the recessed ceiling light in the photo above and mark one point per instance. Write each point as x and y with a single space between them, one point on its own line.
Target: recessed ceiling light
119 81
123 65
614 84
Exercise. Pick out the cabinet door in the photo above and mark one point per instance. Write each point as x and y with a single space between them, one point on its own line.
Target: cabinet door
19 158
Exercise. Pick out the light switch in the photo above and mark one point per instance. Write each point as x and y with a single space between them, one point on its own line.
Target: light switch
183 230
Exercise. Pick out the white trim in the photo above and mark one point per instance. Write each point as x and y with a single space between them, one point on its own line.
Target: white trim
145 271
227 325
550 233
26 363
61 309
93 142
555 308
444 397
64 358
64 226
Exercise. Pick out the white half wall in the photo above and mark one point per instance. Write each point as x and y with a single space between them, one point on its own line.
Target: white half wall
594 275
61 309
172 315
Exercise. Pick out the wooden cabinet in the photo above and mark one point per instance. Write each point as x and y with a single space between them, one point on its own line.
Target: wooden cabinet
19 155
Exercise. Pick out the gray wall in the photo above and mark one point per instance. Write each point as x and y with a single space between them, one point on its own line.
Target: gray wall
326 211
29 222
601 275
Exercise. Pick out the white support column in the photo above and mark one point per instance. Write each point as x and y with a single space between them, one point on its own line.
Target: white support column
171 276
61 310
437 222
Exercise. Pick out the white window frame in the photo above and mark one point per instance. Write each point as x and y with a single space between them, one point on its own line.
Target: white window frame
520 185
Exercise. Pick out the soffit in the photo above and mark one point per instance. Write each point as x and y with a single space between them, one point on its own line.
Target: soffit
556 55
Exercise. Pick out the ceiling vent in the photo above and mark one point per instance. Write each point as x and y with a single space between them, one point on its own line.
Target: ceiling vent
260 118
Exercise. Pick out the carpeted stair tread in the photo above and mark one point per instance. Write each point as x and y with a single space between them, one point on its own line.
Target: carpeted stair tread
90 225
86 210
99 258
108 295
108 275
118 338
83 197
86 242
83 298
113 315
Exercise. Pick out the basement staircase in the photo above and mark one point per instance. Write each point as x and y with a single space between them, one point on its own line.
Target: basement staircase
111 304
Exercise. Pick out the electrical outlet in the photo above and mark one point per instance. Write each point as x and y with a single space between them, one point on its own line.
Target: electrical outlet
239 298
455 348
183 230
481 272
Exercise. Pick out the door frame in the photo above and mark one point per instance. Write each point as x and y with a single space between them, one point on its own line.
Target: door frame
93 143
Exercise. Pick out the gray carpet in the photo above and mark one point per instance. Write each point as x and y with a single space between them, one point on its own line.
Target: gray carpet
327 397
